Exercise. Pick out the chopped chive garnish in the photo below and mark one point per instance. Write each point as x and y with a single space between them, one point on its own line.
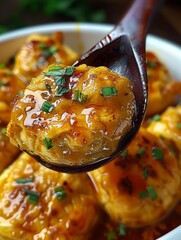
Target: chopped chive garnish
54 68
111 235
3 131
47 107
179 125
124 153
24 180
69 71
48 87
143 194
156 118
60 193
80 97
42 46
62 91
157 153
145 173
122 230
148 73
151 64
2 65
48 143
60 81
49 51
33 196
151 192
108 91
140 152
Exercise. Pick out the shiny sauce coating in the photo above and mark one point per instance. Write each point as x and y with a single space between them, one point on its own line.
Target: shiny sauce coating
73 115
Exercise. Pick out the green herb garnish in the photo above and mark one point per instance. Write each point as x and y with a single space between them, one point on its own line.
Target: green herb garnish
149 192
145 173
60 81
48 87
47 107
124 153
33 196
3 131
80 97
42 46
156 118
111 235
24 180
108 91
157 153
151 64
122 230
54 68
179 125
148 73
48 143
140 152
50 51
60 193
62 91
2 65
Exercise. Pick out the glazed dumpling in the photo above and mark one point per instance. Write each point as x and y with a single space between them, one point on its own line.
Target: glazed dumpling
142 185
38 203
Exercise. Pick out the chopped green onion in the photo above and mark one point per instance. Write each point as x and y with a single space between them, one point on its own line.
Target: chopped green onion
2 65
145 173
54 68
48 87
50 51
60 81
140 152
47 107
33 196
122 230
111 235
3 131
151 64
48 143
157 153
151 192
148 73
60 193
156 118
108 91
69 71
143 194
62 91
80 97
124 153
42 46
179 125
24 180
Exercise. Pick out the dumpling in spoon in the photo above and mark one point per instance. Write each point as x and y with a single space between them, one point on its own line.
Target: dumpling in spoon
72 115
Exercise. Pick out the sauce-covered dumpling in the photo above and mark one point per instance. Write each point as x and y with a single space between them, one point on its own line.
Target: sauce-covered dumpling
73 115
142 185
39 51
38 203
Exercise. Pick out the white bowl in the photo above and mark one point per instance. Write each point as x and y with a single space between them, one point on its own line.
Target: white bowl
82 37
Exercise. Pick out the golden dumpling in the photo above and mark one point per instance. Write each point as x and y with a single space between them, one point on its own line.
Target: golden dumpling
38 203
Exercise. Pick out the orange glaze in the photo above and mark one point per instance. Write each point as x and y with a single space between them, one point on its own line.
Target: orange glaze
80 130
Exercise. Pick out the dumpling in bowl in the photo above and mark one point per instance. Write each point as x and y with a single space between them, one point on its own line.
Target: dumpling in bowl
162 89
39 51
10 85
142 185
8 152
38 203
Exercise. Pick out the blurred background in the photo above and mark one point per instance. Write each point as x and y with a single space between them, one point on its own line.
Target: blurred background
21 13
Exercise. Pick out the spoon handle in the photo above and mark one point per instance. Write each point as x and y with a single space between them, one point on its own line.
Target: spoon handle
135 23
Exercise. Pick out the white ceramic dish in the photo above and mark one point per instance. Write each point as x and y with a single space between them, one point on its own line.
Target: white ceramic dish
81 37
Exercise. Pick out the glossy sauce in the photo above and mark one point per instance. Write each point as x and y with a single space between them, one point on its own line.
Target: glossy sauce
83 124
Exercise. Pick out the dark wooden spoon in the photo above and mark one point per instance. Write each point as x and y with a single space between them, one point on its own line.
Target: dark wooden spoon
123 51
